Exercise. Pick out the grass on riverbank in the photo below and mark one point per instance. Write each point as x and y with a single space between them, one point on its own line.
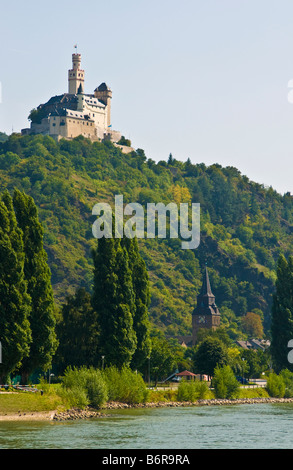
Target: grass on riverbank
12 403
253 393
27 402
171 395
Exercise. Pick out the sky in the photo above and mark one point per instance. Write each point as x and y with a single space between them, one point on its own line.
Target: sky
206 80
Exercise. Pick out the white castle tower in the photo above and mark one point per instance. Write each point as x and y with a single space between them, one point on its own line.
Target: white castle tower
75 76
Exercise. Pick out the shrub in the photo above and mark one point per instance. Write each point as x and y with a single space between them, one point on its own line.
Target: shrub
253 393
287 376
83 387
75 397
225 383
44 386
125 385
275 385
192 391
162 395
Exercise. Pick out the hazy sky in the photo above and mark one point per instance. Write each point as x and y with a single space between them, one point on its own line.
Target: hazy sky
202 79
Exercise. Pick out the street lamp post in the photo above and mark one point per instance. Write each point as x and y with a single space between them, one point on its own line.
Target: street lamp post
103 357
149 367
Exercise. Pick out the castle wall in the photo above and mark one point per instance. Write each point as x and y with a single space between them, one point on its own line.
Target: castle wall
69 127
42 128
96 111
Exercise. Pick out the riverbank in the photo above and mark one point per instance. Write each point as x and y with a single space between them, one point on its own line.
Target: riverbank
75 414
201 402
29 416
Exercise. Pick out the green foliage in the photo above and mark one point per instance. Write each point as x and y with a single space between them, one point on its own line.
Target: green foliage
253 393
121 300
244 226
287 377
282 314
125 385
256 361
77 332
38 277
36 116
84 386
276 385
124 141
211 352
225 383
192 390
114 302
162 359
162 395
3 137
140 282
75 397
15 304
44 385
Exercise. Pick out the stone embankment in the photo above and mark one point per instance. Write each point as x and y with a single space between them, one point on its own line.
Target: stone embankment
201 402
74 414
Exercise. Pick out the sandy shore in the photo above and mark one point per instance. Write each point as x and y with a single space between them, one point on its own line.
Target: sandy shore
29 416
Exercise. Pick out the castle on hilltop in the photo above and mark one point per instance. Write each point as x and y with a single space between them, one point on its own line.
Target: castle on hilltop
76 112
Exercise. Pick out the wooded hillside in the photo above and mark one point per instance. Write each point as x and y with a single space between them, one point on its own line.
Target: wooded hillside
244 226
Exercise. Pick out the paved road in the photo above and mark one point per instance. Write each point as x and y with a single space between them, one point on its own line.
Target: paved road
256 383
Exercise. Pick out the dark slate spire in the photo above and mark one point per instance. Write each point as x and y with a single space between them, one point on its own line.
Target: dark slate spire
206 286
206 300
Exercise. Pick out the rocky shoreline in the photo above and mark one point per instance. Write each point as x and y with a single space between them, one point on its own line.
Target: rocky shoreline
200 402
74 414
89 413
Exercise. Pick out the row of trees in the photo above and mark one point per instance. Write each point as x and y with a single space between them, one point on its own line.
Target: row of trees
282 316
27 317
112 323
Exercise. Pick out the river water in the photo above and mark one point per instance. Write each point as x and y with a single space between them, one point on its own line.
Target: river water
257 426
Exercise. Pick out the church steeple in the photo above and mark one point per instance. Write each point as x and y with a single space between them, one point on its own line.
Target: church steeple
206 286
206 313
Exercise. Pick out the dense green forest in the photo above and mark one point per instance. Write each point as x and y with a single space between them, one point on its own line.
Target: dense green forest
244 226
3 137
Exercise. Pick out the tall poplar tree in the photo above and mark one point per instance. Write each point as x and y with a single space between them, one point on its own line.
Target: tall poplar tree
78 331
114 302
38 276
282 315
140 282
15 332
